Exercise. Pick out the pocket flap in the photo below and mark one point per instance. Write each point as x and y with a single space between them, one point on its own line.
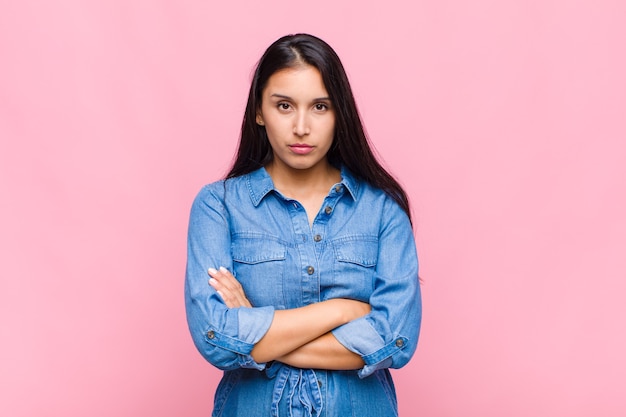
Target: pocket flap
363 251
257 250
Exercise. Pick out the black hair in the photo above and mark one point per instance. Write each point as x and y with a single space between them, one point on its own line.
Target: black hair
350 146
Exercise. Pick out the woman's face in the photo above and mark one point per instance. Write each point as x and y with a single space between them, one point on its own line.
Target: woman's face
298 117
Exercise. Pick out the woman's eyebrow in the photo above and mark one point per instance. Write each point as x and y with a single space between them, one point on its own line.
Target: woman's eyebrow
280 96
289 98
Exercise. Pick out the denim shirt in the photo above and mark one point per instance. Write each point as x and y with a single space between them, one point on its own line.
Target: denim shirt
360 246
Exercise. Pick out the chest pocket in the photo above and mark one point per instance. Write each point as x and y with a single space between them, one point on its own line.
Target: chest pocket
259 265
355 265
360 251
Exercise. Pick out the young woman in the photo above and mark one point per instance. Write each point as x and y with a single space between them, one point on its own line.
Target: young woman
301 276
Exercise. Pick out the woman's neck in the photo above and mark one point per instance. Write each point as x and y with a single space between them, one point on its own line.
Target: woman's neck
301 184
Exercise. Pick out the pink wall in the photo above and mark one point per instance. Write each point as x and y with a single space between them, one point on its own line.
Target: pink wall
506 121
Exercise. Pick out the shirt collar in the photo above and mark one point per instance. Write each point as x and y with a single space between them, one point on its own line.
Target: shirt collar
350 182
260 184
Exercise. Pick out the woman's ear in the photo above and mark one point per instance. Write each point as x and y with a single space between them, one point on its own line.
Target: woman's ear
259 119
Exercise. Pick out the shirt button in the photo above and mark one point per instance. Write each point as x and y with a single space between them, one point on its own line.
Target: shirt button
310 270
319 383
337 188
328 210
399 343
317 238
210 334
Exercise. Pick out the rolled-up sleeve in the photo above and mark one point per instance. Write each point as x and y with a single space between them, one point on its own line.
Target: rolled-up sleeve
387 337
225 337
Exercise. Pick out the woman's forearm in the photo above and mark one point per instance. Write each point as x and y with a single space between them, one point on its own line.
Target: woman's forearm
292 329
325 352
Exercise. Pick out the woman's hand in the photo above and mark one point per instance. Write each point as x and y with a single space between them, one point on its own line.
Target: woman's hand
355 309
228 288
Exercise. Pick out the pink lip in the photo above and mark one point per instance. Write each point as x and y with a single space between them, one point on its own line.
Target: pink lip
301 148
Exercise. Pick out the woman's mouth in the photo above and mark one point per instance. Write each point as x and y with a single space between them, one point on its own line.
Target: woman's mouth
301 148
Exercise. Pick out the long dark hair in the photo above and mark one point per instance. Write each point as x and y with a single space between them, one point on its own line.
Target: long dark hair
350 146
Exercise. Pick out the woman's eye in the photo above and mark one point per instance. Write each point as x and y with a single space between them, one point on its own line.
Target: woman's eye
321 107
283 106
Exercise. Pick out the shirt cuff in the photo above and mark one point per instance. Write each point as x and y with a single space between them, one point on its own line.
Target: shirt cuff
253 324
360 337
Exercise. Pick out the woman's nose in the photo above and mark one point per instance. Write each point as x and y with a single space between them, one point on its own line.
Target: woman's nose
301 126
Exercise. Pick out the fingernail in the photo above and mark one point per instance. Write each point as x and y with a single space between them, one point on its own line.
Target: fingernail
212 271
212 281
220 294
223 269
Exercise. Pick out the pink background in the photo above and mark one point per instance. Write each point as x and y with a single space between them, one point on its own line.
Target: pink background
505 120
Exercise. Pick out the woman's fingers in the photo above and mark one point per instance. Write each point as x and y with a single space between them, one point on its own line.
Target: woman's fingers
221 283
228 288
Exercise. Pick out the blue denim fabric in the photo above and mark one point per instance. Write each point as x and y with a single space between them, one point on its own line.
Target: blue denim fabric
360 246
